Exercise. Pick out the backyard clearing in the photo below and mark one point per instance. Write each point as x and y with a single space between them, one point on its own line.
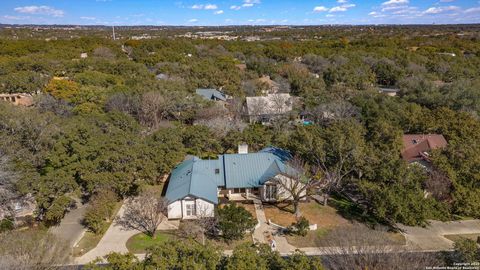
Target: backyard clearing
327 219
324 216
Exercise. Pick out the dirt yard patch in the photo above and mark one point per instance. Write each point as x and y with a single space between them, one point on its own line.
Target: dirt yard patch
455 237
324 216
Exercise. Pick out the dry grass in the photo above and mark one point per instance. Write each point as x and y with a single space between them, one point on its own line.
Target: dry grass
455 237
248 205
327 219
324 216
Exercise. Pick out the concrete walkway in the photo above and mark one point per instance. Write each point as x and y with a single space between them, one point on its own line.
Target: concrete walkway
70 228
265 232
115 239
431 237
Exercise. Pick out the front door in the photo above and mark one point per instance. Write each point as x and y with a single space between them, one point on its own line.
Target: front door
270 192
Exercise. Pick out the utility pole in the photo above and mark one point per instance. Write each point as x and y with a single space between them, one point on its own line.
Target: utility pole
113 28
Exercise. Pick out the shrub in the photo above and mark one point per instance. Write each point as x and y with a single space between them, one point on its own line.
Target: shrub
466 250
234 221
301 227
99 211
6 224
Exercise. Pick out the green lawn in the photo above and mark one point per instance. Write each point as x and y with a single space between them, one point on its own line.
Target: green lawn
139 243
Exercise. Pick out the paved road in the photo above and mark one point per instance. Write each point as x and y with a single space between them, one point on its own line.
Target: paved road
70 228
431 237
115 240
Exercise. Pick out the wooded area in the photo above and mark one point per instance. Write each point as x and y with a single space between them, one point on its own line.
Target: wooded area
106 122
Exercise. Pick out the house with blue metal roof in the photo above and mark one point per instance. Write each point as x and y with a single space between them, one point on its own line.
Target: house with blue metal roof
211 94
196 185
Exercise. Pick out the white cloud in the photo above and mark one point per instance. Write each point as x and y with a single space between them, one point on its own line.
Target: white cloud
341 1
320 9
446 1
210 7
205 7
88 18
437 10
40 10
473 10
193 20
218 12
8 17
395 2
342 8
235 7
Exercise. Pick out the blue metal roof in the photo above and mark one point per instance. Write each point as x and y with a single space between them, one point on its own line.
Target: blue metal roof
193 178
200 178
211 94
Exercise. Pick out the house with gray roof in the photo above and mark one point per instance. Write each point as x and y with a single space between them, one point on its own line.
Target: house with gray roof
196 185
211 94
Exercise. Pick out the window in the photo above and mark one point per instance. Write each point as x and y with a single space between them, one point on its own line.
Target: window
217 171
271 192
414 141
190 209
239 190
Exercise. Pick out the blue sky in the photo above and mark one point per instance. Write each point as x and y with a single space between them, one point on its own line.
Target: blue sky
228 12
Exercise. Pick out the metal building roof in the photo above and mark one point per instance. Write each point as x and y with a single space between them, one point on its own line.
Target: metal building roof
211 94
200 178
192 178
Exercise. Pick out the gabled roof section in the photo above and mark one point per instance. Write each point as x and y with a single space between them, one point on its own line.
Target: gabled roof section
211 94
272 104
254 169
417 146
194 177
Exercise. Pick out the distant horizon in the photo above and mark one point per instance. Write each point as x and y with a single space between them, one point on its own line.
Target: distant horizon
239 12
242 25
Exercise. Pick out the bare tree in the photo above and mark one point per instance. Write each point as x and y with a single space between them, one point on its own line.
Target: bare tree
359 248
103 52
206 222
333 111
144 213
280 103
297 183
438 185
256 108
154 107
32 250
7 187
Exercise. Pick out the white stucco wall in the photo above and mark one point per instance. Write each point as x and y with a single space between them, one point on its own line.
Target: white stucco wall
282 193
175 210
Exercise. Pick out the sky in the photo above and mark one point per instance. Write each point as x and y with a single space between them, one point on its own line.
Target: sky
238 12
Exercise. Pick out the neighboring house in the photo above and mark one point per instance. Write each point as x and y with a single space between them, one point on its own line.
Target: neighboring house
195 185
211 94
162 77
389 91
19 208
265 109
417 147
21 99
